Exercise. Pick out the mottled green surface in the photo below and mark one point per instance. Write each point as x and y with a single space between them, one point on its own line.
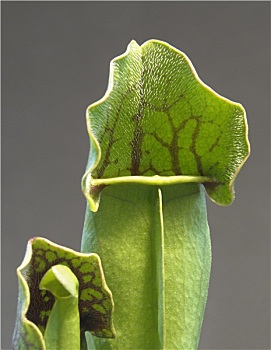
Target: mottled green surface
158 118
35 305
157 128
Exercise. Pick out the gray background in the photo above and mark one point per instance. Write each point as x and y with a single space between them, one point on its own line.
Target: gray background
55 61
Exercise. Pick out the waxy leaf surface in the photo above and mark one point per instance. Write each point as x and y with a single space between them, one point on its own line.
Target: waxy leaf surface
156 253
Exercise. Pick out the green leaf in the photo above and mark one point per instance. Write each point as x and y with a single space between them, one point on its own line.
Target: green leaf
156 138
156 254
63 326
95 301
158 118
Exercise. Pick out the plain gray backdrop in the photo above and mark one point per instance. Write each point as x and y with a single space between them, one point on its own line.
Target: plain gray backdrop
55 62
